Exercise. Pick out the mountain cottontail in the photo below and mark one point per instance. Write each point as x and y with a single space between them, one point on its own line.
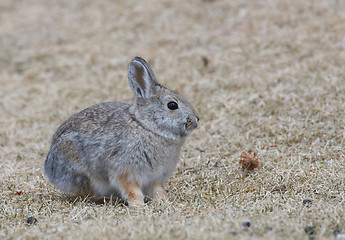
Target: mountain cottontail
120 150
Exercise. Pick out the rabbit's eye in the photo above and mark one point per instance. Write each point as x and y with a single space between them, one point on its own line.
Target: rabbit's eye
172 105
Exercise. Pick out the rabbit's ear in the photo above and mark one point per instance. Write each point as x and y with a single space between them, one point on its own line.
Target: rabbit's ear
141 78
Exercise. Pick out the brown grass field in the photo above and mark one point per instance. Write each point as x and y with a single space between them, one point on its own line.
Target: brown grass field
266 76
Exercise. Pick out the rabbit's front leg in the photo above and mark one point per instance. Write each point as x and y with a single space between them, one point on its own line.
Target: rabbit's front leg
132 191
158 191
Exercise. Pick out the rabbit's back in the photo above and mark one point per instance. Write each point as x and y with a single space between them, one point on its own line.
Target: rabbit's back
100 118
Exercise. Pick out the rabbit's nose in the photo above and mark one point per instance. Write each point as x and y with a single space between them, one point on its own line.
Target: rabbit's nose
196 121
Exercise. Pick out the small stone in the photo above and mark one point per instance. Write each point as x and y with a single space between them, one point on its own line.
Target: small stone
307 202
157 211
246 224
205 61
309 230
31 220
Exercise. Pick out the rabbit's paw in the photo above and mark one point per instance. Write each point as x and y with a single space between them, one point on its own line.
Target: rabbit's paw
159 192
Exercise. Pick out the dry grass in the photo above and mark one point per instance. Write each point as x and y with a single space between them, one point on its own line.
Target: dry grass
266 76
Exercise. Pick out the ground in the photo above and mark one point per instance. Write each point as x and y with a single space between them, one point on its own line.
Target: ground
265 76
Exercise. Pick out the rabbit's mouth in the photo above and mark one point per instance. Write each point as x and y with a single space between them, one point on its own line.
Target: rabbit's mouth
190 125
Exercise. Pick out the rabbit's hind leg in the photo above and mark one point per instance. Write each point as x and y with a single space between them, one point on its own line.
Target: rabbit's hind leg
64 176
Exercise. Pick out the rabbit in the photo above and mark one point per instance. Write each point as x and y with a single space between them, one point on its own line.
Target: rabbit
119 150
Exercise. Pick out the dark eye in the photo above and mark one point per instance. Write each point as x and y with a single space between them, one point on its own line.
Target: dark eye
172 105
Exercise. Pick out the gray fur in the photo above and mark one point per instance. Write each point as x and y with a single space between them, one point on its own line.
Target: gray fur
95 147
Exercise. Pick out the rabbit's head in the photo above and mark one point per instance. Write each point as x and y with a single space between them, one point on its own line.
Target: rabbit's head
156 108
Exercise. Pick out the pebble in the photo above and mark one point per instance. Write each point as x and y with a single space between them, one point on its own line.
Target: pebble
31 220
157 211
246 224
309 230
307 202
